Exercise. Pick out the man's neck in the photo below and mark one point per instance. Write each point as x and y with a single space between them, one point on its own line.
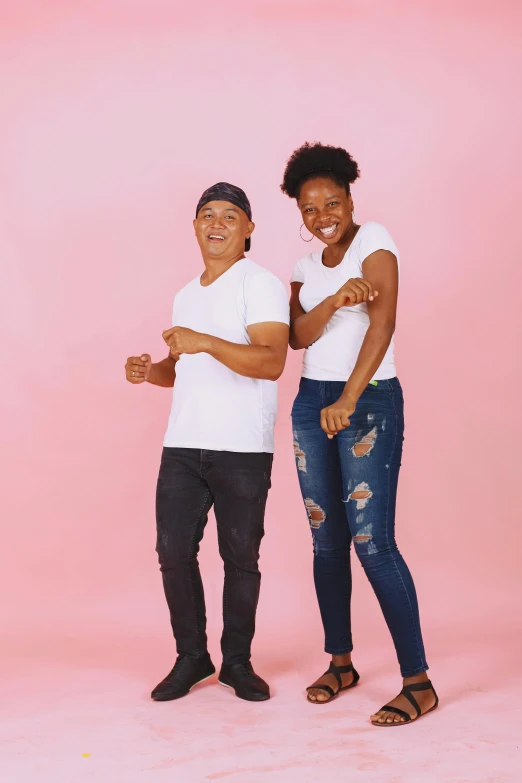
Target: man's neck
215 267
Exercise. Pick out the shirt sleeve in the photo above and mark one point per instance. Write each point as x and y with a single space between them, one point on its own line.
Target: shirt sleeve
376 237
267 300
298 273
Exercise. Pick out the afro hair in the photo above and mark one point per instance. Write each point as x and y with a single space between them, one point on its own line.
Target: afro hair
313 160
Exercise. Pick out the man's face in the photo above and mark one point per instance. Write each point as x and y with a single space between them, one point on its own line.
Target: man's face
221 230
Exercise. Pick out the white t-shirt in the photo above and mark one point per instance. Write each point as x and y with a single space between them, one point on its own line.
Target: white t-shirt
333 356
213 407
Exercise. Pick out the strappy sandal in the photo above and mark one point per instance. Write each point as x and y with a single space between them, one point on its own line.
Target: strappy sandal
336 671
407 692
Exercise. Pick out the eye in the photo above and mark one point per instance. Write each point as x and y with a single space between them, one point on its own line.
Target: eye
333 203
230 217
309 209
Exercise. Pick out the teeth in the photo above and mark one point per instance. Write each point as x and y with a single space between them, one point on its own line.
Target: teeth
215 236
328 230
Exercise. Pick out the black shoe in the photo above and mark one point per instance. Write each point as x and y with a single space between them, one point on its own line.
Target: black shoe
186 673
245 682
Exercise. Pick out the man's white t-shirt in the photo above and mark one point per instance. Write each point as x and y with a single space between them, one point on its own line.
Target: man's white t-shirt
213 407
333 356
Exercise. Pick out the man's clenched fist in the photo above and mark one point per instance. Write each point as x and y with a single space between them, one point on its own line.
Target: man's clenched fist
137 368
181 340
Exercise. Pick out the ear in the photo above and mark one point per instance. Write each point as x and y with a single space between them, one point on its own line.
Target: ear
250 229
194 223
350 203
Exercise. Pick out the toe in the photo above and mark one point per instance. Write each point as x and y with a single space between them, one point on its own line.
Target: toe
317 694
385 717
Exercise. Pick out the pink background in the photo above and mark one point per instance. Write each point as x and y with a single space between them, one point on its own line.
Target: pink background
114 117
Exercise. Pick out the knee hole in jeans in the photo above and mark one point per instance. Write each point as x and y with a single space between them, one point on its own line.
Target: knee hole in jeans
361 494
316 515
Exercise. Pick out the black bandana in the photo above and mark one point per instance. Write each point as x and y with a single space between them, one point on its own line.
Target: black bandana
222 191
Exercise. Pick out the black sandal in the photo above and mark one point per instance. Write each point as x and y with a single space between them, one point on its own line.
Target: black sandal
336 671
407 692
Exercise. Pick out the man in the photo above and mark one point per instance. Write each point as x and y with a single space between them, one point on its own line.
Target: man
227 346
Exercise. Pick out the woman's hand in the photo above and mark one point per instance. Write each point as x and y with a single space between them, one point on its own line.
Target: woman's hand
354 292
337 416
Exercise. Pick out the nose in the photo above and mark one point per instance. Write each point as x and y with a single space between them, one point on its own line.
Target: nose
218 222
322 213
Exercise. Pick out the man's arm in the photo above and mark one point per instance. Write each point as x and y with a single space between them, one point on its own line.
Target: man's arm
264 358
141 368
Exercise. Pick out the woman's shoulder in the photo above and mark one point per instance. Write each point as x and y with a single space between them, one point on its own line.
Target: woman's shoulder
371 227
374 236
304 266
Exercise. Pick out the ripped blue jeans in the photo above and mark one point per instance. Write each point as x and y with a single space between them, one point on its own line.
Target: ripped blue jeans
349 487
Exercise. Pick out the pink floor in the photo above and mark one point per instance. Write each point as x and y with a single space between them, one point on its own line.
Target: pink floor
78 710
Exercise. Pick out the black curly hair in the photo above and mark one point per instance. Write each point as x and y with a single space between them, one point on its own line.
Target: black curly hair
318 160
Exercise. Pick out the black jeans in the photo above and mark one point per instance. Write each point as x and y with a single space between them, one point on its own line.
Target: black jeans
190 482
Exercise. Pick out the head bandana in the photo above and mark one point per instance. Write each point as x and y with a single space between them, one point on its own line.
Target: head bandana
222 191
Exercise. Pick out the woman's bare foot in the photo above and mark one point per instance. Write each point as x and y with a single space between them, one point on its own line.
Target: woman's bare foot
315 692
426 700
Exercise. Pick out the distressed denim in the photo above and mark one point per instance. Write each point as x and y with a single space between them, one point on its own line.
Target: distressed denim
362 460
190 482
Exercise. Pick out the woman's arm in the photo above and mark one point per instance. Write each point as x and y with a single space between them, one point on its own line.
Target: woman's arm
381 269
306 328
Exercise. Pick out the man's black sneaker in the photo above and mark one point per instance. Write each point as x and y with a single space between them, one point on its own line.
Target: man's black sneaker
186 673
244 681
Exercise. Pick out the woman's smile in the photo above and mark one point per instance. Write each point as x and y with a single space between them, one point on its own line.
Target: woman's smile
328 232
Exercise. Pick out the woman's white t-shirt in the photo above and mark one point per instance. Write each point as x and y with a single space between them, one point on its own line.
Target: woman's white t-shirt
212 406
333 356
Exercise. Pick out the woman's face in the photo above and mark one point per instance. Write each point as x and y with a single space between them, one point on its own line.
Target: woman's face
326 209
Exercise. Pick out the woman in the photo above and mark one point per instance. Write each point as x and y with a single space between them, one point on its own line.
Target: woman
348 423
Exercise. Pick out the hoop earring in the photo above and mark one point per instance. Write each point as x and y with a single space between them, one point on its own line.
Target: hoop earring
301 234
